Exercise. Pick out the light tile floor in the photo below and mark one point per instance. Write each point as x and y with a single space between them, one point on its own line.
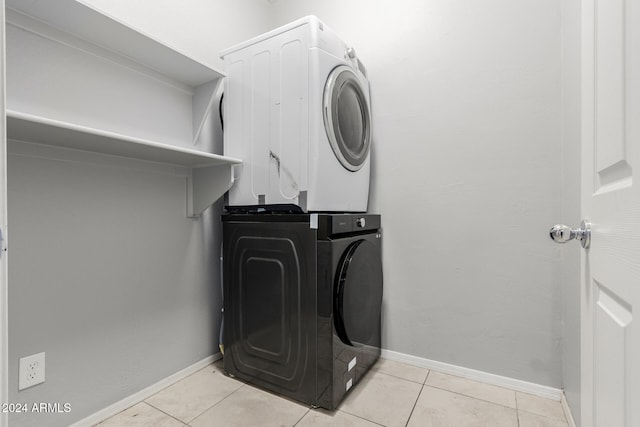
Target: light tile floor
392 394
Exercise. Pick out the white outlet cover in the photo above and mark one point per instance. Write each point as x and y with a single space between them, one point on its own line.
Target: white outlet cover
31 371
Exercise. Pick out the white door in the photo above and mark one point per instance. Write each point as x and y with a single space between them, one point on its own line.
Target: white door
4 305
610 290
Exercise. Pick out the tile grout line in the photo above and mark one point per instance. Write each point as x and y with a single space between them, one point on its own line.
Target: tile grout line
517 409
494 403
539 415
543 416
395 376
159 410
303 415
483 383
157 392
343 412
362 418
188 423
427 377
401 378
215 404
471 397
417 398
380 371
222 372
165 388
415 403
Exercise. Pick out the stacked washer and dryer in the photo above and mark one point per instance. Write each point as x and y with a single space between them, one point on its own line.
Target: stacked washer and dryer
302 268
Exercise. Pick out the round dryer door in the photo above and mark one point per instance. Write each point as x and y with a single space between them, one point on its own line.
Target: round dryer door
358 294
347 118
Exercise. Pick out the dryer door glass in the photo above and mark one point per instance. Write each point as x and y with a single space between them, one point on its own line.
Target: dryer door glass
346 117
358 294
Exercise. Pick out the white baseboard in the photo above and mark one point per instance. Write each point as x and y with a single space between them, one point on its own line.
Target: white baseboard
131 400
567 411
485 377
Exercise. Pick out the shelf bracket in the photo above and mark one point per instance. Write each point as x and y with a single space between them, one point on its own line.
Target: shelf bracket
205 185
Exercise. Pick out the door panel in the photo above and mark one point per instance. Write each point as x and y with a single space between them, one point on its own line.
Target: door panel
612 336
612 158
610 69
358 294
347 117
611 201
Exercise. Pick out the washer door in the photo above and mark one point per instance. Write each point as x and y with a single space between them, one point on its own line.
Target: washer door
358 294
347 119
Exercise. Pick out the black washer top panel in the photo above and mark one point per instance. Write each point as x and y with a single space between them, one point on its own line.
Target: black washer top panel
328 225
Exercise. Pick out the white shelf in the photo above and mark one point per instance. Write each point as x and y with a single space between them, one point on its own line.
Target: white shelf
82 80
93 26
211 175
30 128
55 46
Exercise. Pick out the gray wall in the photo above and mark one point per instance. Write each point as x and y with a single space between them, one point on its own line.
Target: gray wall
467 128
120 289
107 275
571 201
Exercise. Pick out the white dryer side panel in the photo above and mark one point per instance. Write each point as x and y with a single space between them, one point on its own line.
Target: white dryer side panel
266 118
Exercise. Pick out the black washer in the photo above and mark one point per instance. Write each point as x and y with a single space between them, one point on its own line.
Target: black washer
302 301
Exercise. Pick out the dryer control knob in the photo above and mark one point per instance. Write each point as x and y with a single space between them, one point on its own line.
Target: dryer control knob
351 52
361 222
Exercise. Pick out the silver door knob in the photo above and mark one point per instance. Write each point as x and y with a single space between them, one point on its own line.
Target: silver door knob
561 233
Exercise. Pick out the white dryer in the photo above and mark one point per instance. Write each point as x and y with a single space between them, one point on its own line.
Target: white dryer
297 112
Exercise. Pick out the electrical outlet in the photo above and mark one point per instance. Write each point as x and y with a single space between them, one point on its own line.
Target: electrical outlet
31 371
